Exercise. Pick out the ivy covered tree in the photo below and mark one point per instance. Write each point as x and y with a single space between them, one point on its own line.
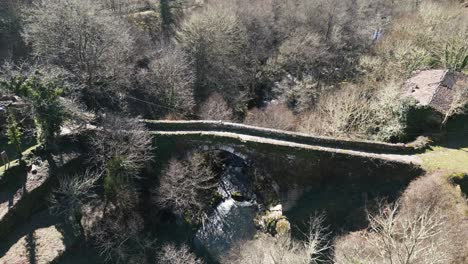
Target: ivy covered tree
120 149
49 114
44 97
14 134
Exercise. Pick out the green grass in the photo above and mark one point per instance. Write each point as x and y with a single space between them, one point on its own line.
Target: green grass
450 153
448 159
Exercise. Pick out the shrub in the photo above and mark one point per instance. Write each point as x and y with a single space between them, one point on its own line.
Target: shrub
341 113
170 254
363 112
389 114
216 108
455 56
276 116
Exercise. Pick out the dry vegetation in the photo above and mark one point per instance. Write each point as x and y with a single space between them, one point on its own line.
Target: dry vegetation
425 225
171 254
186 186
276 116
327 67
336 66
358 112
420 38
283 249
121 146
216 108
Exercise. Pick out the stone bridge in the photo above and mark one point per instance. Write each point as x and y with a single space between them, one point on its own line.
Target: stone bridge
293 159
218 133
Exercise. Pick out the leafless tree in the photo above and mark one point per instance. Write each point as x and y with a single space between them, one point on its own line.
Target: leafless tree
119 239
171 80
72 192
9 27
304 53
216 41
124 141
422 227
257 18
70 195
127 6
283 249
185 185
82 37
216 108
411 240
171 254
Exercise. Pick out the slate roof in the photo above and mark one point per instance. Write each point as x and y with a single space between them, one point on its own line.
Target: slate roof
434 88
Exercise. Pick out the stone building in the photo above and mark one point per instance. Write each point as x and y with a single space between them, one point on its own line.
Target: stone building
435 91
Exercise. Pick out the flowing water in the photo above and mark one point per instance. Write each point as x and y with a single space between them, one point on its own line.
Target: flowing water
232 220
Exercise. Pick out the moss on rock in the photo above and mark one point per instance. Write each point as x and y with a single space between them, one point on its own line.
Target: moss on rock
283 227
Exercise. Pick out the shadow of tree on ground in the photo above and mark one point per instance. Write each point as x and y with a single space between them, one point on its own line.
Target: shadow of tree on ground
31 247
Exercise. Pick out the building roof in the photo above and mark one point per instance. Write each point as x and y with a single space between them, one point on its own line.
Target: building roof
434 88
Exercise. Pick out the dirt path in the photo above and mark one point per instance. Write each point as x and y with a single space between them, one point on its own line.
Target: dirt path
40 240
13 193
